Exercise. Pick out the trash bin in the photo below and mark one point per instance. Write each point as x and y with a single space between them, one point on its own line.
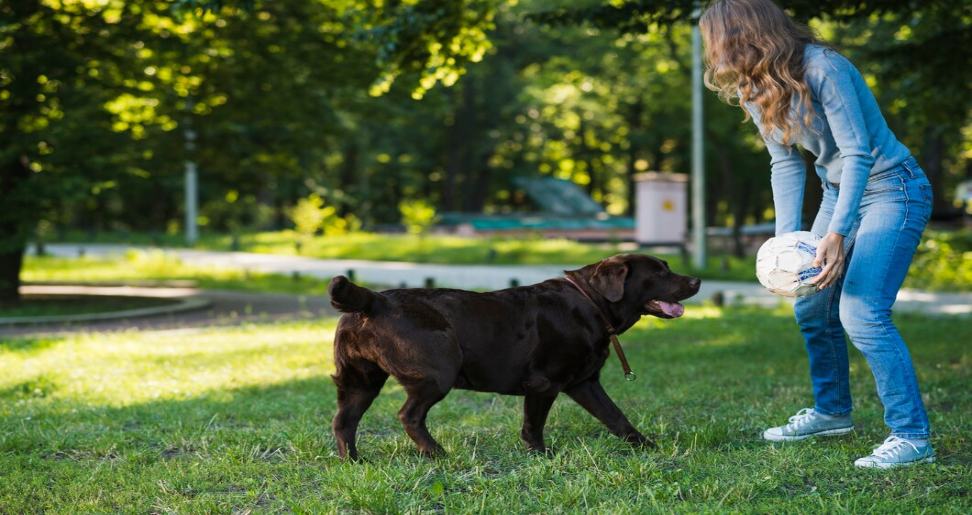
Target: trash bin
661 208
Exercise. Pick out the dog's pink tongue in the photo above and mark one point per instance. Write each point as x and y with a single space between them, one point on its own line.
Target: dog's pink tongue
672 309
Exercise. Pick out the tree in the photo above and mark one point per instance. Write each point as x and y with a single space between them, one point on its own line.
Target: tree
92 94
914 45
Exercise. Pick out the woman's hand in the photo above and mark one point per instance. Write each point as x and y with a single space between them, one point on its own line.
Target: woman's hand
830 256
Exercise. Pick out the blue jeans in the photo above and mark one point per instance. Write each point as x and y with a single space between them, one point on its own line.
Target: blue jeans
893 213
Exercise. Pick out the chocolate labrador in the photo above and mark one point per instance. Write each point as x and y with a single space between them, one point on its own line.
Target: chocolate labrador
536 341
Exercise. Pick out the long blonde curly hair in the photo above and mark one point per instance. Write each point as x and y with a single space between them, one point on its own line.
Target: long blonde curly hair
754 54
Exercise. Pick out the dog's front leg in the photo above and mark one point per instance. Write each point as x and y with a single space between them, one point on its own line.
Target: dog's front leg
535 409
592 397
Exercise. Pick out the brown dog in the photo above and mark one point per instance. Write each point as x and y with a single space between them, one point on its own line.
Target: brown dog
535 341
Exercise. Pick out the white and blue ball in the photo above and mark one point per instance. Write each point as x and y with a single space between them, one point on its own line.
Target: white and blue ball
784 264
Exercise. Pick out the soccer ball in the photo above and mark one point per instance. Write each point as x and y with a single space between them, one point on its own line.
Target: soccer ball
784 264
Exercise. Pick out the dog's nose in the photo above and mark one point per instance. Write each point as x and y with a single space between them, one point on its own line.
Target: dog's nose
695 282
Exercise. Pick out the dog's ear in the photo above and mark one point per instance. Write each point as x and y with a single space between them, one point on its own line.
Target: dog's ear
608 278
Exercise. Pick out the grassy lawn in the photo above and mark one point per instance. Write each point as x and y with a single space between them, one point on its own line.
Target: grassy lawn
238 419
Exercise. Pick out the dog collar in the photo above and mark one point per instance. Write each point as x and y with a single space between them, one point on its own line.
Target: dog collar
612 332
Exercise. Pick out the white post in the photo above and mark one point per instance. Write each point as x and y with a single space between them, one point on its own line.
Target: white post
192 190
698 153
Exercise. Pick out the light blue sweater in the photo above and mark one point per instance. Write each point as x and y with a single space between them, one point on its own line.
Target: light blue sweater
849 137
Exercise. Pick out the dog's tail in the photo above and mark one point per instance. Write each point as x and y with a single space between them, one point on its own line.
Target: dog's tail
348 297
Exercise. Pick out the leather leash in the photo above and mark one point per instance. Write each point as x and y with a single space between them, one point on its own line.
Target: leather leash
628 374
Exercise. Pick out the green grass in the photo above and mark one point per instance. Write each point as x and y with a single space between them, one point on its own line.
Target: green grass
237 419
32 306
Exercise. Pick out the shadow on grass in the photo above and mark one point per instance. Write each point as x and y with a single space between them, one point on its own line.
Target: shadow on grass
27 344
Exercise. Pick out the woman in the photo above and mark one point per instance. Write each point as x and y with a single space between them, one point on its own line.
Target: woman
876 202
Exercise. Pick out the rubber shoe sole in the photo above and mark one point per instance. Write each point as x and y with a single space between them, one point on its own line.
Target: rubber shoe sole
883 466
829 432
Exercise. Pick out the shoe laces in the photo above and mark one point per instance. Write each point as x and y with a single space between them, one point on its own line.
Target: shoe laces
801 418
891 447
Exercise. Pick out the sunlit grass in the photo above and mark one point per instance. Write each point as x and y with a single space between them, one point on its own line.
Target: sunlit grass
132 367
436 248
235 419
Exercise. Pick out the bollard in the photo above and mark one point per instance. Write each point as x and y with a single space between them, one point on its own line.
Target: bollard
295 275
350 274
430 282
719 298
514 282
403 285
81 252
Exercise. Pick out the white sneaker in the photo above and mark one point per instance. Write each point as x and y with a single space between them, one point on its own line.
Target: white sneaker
898 452
807 423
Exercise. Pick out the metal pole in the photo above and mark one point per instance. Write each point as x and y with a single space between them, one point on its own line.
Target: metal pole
698 151
192 190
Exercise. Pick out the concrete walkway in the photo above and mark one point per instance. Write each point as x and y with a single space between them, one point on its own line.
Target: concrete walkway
482 277
213 308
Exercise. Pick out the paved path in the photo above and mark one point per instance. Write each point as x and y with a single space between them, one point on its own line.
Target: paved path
487 277
223 308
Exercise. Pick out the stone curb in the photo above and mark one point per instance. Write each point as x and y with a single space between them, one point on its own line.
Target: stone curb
183 305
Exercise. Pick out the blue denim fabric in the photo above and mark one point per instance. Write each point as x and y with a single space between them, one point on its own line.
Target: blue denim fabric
894 210
848 135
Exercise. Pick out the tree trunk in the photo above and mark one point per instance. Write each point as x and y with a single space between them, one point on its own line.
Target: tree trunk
11 262
635 111
349 169
459 138
932 157
15 219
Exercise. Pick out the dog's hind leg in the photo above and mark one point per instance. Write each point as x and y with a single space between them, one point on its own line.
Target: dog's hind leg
592 397
358 383
422 395
536 406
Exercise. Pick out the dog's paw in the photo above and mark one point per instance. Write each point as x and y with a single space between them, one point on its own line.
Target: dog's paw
540 450
549 452
640 440
432 452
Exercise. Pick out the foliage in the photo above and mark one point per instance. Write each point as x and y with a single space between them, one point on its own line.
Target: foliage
418 216
943 262
311 216
99 102
92 95
908 49
235 419
234 213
